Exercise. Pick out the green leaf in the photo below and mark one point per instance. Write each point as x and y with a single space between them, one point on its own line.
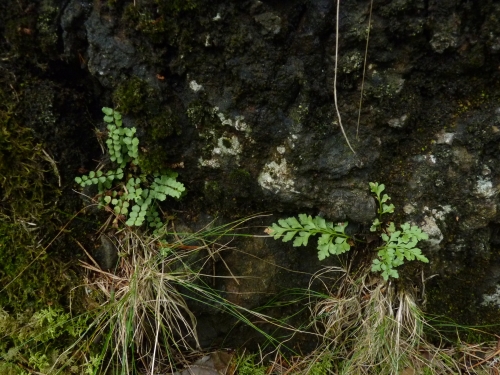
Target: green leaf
107 199
323 252
301 239
320 222
422 258
161 196
305 219
294 223
375 225
340 227
387 208
288 236
108 119
78 180
117 115
380 189
107 111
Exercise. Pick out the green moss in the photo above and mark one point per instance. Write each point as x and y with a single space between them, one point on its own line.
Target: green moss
164 124
21 169
239 179
177 6
47 28
147 22
31 277
202 117
132 95
31 30
213 193
152 160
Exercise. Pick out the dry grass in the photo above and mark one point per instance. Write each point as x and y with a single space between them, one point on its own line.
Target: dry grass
371 327
141 314
140 305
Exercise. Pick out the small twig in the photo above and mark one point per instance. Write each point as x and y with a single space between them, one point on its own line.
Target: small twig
54 166
335 77
364 67
86 252
42 251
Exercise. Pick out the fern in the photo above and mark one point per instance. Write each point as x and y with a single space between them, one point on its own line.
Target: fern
399 245
333 239
134 198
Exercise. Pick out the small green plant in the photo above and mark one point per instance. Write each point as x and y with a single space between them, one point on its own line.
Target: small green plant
133 198
333 240
41 341
398 245
245 365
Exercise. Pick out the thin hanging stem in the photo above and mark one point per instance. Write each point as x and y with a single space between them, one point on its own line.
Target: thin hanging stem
364 68
335 78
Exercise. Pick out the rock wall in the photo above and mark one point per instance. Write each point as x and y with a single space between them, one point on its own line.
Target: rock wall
238 98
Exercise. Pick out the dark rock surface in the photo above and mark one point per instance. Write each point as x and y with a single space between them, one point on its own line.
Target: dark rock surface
240 94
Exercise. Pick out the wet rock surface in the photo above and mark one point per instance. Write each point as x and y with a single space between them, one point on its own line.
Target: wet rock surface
237 97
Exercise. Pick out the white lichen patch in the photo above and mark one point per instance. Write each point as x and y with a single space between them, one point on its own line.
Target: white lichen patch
291 140
408 208
227 149
211 163
430 159
398 123
228 146
277 177
237 123
445 138
430 227
493 298
281 150
193 85
484 188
